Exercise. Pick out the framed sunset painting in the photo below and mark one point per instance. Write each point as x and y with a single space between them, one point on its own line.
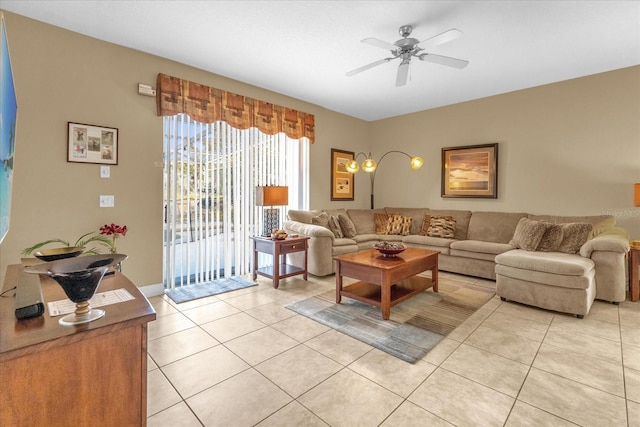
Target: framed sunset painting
470 171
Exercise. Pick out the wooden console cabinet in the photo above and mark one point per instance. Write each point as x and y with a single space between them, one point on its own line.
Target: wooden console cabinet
93 374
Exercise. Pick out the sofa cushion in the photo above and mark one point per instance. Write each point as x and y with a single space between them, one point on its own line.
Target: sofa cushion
363 219
551 239
600 223
302 216
399 224
528 234
548 279
334 226
321 219
546 262
381 220
426 242
442 226
343 241
462 220
574 235
426 222
493 226
416 214
347 226
481 247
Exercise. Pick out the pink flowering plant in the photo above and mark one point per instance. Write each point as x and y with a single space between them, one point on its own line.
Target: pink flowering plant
104 238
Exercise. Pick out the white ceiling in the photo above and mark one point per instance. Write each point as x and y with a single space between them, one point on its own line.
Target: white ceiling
304 48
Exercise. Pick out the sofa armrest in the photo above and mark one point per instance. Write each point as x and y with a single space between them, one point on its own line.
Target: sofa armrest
310 230
613 240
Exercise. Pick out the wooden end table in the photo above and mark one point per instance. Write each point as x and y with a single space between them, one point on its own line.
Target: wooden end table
385 282
634 260
279 249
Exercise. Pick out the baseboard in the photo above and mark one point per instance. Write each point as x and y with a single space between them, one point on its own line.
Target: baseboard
152 290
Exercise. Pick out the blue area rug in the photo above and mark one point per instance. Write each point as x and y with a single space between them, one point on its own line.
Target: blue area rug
220 286
415 327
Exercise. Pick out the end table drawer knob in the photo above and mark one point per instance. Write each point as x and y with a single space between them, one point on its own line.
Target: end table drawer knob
293 247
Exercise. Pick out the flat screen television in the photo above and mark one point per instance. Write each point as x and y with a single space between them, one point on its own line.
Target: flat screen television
8 115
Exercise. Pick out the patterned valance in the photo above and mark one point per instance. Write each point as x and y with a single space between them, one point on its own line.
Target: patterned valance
208 105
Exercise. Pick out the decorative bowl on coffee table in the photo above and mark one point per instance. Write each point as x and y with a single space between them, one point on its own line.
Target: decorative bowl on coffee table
389 249
79 278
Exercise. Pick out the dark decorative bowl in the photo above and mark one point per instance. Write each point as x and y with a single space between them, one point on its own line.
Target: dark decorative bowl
79 277
389 250
390 253
59 253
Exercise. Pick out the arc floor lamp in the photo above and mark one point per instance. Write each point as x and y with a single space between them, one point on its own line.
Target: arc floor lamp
371 166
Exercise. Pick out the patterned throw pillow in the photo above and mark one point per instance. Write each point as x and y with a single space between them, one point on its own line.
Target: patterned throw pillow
551 239
426 223
381 220
322 220
347 226
528 234
442 226
334 226
398 224
574 235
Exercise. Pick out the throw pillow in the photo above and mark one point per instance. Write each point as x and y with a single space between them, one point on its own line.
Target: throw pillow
322 220
442 226
551 239
381 220
347 226
426 222
398 224
334 226
574 235
528 234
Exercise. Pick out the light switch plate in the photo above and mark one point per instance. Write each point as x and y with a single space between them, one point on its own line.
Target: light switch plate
107 201
105 171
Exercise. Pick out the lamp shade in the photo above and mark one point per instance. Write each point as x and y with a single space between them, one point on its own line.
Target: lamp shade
272 196
636 194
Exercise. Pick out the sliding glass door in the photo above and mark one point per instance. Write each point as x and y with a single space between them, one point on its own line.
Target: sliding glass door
210 174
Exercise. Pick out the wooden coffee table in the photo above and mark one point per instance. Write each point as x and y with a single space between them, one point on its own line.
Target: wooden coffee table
385 282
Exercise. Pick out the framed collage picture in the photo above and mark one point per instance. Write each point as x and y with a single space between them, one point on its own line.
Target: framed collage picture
92 144
341 180
470 171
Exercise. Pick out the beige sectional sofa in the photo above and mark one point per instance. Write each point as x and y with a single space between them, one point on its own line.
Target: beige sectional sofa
483 246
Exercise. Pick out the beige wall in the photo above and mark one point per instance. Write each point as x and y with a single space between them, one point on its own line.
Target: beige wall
567 148
61 76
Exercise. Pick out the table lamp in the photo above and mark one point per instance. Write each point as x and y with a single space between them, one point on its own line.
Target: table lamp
271 196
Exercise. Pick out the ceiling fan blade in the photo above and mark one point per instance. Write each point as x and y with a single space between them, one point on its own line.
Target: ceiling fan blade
441 38
403 73
443 60
379 43
366 67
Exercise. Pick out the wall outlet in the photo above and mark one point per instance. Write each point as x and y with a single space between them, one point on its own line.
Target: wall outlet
107 201
105 171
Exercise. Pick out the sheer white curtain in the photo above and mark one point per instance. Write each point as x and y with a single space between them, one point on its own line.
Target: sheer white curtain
211 171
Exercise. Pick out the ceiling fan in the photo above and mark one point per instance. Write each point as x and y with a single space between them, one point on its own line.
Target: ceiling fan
407 47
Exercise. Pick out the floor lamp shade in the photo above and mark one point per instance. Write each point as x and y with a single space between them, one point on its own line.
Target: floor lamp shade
636 194
271 196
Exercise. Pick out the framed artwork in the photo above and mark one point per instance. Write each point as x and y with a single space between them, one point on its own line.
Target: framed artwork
470 171
341 180
92 144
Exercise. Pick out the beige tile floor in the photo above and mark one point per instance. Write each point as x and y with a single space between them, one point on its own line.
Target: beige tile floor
243 359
